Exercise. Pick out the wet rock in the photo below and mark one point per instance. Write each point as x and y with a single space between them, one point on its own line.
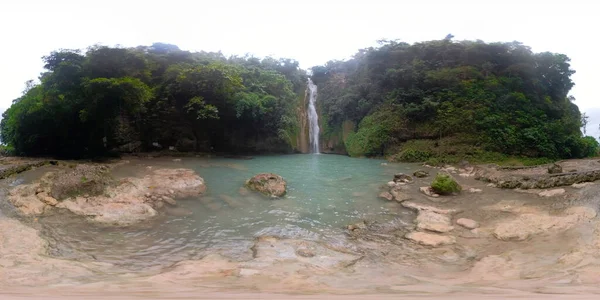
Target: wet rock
421 174
427 190
473 234
430 239
581 185
212 265
76 181
268 183
555 169
391 184
420 207
552 193
432 221
123 212
450 169
305 252
274 250
467 223
399 195
529 224
386 195
44 197
24 199
401 177
25 261
169 200
540 181
183 182
359 225
128 203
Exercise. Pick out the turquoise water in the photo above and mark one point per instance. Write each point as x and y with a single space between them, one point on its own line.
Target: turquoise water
325 193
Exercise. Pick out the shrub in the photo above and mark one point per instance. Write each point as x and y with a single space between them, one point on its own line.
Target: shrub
589 146
443 184
413 155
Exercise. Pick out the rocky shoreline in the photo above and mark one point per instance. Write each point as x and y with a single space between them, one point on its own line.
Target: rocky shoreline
481 235
541 177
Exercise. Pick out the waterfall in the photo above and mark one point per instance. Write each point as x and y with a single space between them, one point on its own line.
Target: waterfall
313 118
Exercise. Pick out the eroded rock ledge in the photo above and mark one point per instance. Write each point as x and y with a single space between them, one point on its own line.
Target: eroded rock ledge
539 177
86 191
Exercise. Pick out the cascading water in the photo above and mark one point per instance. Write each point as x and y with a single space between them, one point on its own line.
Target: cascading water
313 118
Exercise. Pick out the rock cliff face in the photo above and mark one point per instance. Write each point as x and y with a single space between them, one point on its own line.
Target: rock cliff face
332 141
302 115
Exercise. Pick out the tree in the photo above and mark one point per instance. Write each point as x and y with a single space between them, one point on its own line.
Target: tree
584 122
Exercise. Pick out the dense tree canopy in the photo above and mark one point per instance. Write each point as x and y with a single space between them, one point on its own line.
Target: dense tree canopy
502 95
497 97
137 98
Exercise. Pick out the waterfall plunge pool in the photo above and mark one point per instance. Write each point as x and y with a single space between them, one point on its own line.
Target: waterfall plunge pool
325 193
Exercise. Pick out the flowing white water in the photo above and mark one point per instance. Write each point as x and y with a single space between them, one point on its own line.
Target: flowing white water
313 118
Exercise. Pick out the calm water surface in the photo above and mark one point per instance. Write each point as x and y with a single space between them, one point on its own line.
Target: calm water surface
325 193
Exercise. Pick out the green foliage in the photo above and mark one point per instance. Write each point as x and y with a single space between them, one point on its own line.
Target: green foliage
444 184
117 98
413 155
511 100
6 150
374 133
589 147
453 150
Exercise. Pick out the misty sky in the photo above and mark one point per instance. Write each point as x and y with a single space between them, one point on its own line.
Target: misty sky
311 32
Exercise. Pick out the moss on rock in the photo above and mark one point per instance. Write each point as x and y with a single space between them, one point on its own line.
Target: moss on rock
444 184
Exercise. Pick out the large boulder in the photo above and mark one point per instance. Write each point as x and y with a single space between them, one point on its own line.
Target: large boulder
401 177
421 174
555 169
268 183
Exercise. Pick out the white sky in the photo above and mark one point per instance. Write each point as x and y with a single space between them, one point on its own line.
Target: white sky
311 32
